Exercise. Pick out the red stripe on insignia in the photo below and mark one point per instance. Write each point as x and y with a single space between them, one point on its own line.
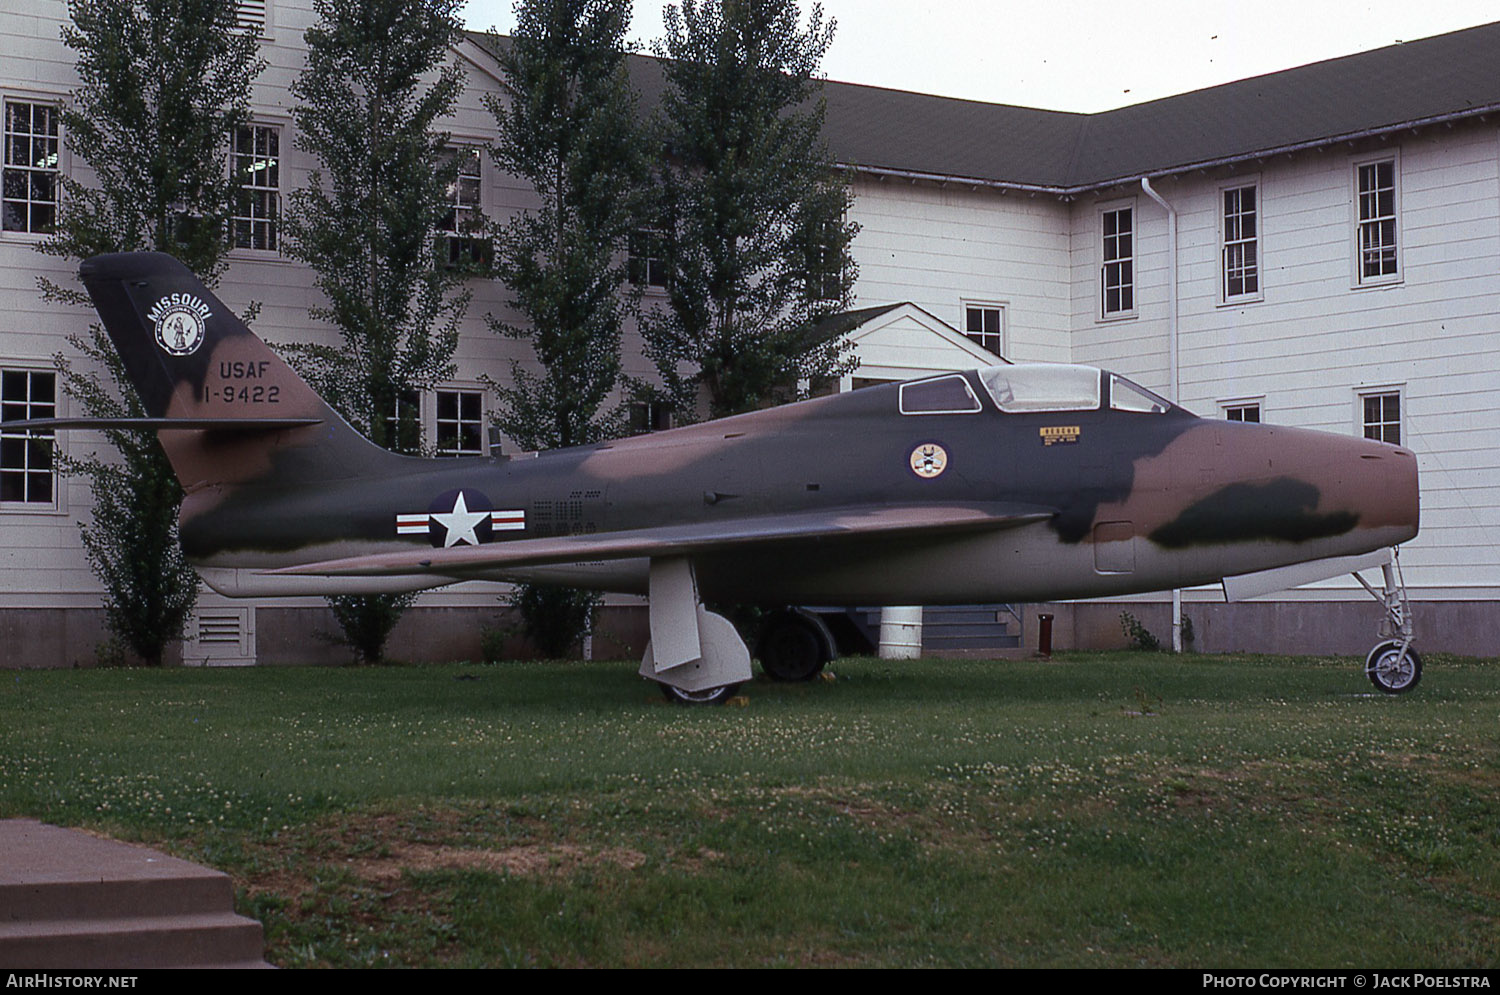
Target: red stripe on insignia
508 520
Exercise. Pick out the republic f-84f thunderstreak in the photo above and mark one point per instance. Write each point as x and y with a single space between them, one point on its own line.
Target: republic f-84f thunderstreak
1012 483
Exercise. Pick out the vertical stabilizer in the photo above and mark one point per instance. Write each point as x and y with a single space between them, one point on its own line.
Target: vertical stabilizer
191 358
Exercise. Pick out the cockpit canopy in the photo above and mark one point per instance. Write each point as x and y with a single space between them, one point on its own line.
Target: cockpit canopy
1026 388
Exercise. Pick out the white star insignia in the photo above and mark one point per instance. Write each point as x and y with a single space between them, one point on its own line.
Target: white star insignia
460 523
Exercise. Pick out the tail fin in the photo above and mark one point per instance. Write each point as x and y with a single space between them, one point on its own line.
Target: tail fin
192 360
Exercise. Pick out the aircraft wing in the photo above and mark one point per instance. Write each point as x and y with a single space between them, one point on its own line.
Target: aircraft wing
830 525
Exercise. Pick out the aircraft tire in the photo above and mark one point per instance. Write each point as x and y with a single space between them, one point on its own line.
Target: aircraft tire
791 649
1390 670
708 696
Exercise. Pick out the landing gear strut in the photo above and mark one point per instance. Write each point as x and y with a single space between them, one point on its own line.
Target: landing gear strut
695 655
1392 665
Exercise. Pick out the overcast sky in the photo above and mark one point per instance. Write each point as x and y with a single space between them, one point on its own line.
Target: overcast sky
1086 55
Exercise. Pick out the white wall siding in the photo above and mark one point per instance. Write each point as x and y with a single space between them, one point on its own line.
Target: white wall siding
1316 338
938 246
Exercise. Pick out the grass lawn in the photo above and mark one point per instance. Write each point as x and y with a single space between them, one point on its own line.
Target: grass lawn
1097 810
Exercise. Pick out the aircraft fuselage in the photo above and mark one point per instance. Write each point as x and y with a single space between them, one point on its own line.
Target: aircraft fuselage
1138 500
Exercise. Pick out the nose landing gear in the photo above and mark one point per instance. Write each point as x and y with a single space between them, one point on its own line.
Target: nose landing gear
1392 665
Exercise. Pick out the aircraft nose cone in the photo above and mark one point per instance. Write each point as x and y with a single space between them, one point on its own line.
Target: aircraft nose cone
1390 477
1374 483
1325 494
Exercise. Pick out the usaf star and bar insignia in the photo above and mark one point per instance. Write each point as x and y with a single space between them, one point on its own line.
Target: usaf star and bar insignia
460 518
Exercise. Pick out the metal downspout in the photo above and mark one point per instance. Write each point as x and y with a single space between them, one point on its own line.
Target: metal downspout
1172 365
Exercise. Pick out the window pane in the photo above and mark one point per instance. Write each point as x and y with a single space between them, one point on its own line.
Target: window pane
945 395
1042 387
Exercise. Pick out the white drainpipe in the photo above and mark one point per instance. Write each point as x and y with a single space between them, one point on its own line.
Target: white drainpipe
1172 369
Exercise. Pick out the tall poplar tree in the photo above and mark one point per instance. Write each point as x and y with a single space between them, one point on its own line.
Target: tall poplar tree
365 222
751 210
164 85
376 82
567 125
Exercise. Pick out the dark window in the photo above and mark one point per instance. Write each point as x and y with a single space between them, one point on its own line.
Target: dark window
650 416
646 258
462 227
460 423
255 163
1117 277
1377 220
1241 244
403 426
30 183
985 325
26 463
825 266
1382 417
1242 412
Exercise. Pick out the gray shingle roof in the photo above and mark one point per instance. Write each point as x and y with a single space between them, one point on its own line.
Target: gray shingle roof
1442 78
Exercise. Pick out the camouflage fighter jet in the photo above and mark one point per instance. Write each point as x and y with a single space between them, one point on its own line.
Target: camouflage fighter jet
1013 483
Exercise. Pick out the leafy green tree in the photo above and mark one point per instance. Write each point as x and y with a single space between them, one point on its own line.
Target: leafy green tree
375 84
365 221
164 85
751 211
567 124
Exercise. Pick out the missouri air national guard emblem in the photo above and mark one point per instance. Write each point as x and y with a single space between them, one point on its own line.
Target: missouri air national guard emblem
929 460
180 321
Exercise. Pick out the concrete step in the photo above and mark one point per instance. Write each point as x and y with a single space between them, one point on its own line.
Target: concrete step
68 899
136 941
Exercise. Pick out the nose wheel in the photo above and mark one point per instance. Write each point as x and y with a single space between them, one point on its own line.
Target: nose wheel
1392 665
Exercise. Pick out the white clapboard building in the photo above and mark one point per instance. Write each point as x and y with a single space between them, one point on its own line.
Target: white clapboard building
1318 247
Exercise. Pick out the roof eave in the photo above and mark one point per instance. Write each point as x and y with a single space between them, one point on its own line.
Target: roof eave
1071 191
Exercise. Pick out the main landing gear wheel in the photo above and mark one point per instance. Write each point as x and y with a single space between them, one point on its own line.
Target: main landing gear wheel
708 696
791 648
1394 667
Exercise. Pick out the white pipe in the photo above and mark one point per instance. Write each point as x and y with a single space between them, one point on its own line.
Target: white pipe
1173 373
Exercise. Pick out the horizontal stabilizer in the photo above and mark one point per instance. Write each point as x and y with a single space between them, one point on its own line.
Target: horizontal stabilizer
701 538
1284 578
154 424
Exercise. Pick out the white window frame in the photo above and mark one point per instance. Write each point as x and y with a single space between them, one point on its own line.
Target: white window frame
56 102
56 505
1360 223
1361 426
1002 337
437 421
1131 259
252 250
467 230
460 149
1242 403
826 266
633 260
1226 243
409 404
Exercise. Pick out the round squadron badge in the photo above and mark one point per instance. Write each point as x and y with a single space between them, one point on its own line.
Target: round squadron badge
181 322
929 460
